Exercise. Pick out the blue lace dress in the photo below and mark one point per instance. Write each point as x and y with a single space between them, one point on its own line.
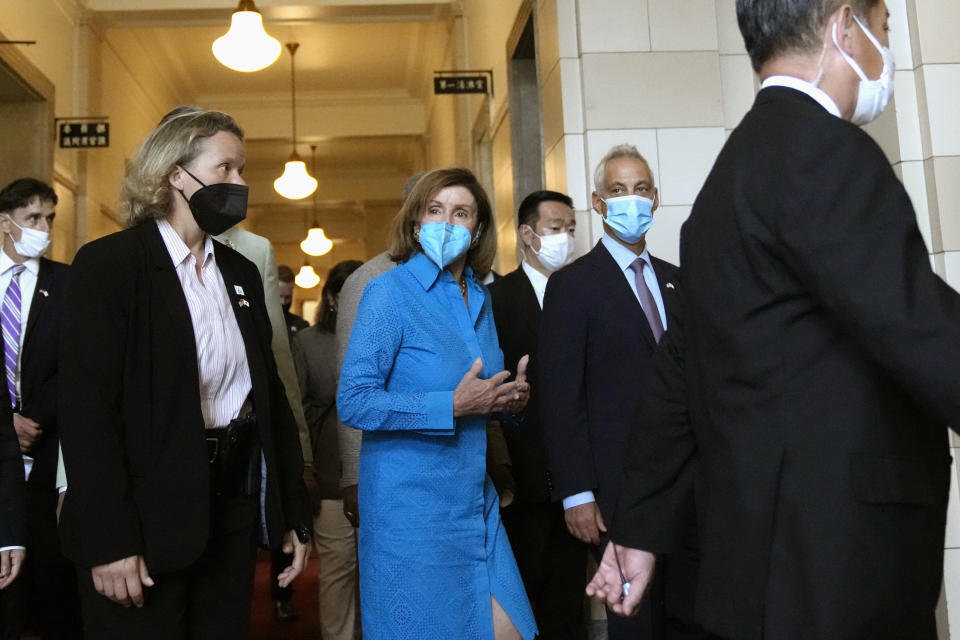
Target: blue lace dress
431 545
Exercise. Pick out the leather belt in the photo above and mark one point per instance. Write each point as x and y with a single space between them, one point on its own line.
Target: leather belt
234 455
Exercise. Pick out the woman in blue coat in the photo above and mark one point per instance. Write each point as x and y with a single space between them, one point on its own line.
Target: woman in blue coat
422 373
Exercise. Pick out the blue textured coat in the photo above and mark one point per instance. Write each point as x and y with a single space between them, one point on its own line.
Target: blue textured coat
432 549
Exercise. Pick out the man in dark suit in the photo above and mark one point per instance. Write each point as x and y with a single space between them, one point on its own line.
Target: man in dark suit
602 318
818 365
33 296
552 562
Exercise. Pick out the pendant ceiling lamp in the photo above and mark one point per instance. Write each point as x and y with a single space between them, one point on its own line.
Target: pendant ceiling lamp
246 46
316 243
295 183
306 278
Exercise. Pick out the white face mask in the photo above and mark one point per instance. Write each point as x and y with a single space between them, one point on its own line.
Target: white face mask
873 95
555 250
32 243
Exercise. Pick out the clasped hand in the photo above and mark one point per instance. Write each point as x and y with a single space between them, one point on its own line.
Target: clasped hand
474 396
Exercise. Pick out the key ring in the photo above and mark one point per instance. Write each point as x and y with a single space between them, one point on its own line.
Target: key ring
624 583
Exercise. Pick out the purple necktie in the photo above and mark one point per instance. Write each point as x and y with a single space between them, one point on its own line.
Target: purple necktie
10 321
647 302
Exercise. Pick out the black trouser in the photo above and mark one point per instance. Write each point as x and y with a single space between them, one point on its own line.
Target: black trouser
44 598
278 562
209 600
552 564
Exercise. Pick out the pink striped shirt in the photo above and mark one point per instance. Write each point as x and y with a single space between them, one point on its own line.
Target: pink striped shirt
221 355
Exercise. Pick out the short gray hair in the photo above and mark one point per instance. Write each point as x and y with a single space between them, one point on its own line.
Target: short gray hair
619 151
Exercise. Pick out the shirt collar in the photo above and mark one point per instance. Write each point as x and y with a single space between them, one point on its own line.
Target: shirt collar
31 264
427 272
537 279
621 255
818 94
177 248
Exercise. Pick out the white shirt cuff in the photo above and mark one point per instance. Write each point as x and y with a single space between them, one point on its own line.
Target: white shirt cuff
13 547
62 489
578 499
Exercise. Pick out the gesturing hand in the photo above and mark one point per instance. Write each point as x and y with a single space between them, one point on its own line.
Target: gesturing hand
607 585
522 390
122 581
474 396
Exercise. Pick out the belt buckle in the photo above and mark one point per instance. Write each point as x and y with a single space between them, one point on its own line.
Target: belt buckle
215 448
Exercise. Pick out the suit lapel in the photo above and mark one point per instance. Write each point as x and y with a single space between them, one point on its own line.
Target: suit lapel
528 303
240 302
166 284
623 296
41 294
667 279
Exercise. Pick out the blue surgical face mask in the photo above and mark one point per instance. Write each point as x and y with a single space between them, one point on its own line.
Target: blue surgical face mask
444 242
629 217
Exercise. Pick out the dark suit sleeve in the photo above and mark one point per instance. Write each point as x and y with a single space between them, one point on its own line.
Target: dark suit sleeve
656 503
286 434
854 243
101 520
12 485
563 406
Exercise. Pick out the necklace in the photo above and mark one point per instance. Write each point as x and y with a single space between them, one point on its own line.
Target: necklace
463 285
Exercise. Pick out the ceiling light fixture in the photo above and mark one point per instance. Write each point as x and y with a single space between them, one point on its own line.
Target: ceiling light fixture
316 243
295 183
306 278
246 46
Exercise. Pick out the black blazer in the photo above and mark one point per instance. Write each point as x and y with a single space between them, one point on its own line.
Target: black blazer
12 505
38 367
594 342
516 312
130 419
818 364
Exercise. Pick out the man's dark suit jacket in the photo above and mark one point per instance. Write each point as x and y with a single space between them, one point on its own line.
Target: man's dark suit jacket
130 419
819 365
594 343
12 501
38 367
516 312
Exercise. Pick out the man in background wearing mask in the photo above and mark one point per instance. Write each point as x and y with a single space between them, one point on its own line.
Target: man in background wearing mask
817 367
293 322
551 561
602 318
45 598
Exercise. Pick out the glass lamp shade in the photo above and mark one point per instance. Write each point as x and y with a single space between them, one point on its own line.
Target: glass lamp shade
306 278
246 46
295 183
316 243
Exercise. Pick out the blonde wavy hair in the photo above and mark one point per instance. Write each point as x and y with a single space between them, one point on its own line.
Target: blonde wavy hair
146 193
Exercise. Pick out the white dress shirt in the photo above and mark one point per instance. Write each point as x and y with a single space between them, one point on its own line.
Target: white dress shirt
537 279
624 257
221 354
803 86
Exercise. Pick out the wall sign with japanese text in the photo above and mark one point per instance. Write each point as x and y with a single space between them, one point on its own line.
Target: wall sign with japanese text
460 84
84 135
